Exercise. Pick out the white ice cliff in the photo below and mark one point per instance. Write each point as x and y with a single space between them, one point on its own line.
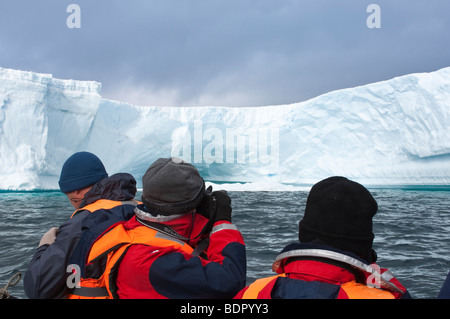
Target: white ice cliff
393 132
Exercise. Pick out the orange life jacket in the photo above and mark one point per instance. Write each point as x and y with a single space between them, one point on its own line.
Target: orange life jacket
384 288
353 289
258 285
113 245
104 204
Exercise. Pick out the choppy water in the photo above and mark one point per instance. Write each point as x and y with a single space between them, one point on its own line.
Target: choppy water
412 231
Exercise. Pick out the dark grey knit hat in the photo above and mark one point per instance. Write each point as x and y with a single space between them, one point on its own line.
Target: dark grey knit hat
171 186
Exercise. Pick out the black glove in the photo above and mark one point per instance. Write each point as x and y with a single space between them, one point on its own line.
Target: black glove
223 202
208 205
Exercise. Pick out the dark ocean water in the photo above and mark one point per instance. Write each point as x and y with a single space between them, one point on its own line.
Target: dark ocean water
412 231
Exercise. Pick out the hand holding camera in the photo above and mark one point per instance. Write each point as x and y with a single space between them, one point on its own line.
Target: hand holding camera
223 211
215 206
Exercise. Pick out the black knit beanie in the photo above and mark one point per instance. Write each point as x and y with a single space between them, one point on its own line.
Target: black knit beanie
339 213
172 187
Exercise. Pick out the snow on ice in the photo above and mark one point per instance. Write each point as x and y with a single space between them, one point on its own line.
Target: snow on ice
393 132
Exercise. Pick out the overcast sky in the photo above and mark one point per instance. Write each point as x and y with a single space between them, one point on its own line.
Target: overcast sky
228 52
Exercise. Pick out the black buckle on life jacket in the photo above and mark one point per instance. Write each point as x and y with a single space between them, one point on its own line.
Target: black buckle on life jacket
90 292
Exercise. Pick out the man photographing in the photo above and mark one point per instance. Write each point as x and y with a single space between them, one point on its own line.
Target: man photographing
161 251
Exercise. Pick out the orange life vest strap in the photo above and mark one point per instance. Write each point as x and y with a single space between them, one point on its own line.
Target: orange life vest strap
356 290
104 204
99 288
119 236
255 288
113 245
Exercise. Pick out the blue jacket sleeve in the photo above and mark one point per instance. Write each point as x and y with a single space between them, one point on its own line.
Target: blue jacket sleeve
46 275
445 290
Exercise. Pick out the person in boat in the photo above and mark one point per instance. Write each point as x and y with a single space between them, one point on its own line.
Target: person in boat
100 200
334 258
181 243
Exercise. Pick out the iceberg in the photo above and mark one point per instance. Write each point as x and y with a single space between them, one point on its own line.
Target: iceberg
394 132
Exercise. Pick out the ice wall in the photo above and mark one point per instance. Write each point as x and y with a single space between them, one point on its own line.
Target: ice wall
42 120
391 132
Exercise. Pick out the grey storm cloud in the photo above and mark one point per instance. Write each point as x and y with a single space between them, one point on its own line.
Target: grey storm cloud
235 53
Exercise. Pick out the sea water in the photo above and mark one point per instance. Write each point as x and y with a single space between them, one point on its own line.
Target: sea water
412 231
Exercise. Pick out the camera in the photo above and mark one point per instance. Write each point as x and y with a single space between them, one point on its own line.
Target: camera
208 206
